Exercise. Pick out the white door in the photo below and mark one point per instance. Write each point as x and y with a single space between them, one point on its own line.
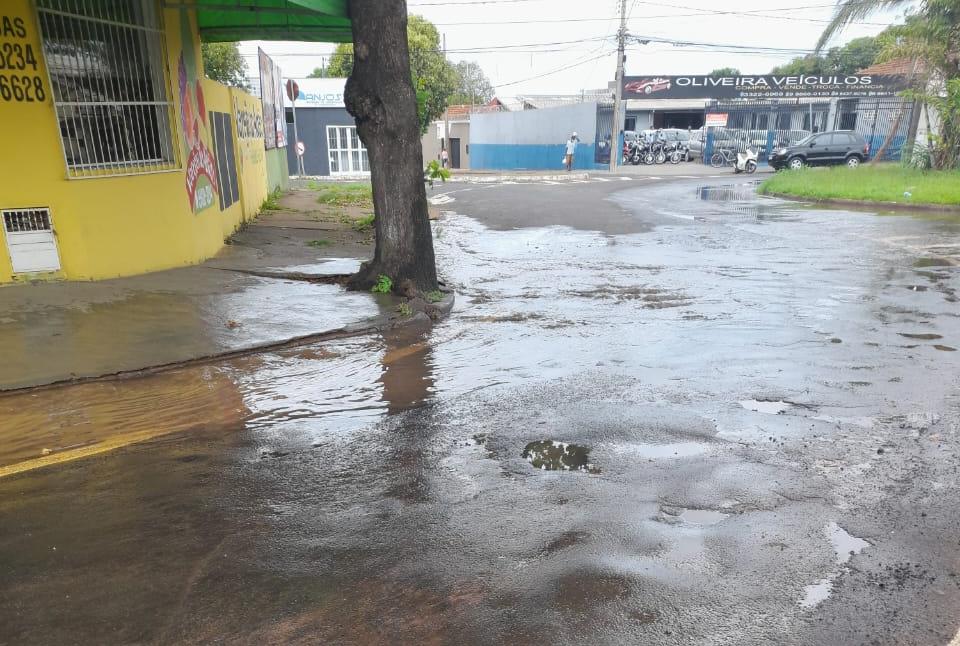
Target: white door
30 240
347 154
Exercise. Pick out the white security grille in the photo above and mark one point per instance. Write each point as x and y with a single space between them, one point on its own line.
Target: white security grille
106 64
23 220
30 240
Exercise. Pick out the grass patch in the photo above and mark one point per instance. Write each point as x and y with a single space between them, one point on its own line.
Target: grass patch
272 201
435 296
323 242
383 285
884 183
363 223
357 194
405 309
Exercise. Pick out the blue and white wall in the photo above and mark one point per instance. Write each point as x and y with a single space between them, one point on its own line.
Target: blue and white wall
533 139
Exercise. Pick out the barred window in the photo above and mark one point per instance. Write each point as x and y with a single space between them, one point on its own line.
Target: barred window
107 71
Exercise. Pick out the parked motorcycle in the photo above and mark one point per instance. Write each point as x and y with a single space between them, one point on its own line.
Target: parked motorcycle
746 161
679 152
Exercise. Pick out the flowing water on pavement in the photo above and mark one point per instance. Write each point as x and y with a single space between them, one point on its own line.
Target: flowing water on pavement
631 438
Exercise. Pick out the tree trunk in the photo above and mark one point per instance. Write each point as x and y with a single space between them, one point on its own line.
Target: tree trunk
380 96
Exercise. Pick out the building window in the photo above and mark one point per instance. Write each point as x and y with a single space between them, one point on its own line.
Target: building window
107 72
347 154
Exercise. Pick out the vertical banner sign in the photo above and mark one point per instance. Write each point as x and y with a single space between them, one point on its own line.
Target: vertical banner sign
271 94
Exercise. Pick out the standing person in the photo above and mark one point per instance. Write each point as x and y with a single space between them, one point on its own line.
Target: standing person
571 151
444 158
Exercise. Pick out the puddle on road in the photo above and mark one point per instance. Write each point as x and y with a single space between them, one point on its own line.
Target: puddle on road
726 193
845 546
661 451
816 593
933 262
920 336
843 543
687 516
764 406
550 455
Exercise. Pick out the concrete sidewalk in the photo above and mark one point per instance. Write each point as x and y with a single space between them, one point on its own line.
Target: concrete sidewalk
58 331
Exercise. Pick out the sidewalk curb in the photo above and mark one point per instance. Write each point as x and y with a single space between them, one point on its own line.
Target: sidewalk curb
868 205
374 325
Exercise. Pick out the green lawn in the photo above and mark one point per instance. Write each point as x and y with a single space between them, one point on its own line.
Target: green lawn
357 194
885 183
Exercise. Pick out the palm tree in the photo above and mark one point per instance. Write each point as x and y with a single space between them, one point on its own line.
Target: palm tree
930 39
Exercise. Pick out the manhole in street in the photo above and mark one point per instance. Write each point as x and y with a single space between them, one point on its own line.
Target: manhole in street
550 455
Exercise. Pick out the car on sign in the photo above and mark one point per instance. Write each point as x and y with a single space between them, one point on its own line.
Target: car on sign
647 86
823 149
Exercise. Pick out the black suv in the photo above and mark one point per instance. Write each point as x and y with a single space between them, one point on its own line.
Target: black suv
823 149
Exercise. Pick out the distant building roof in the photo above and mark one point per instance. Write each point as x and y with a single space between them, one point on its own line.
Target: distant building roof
900 67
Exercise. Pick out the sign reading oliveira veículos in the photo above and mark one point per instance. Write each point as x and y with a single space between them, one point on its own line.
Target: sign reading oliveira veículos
768 86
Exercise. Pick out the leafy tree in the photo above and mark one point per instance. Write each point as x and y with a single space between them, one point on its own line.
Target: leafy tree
222 62
434 78
381 97
849 59
473 86
930 38
341 63
317 73
724 71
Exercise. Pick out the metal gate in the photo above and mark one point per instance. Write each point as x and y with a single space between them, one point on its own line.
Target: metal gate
884 122
603 142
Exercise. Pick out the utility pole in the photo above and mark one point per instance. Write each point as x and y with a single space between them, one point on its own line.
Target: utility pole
618 96
446 110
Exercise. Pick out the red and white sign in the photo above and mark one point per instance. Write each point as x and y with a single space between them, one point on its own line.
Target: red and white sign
716 120
301 148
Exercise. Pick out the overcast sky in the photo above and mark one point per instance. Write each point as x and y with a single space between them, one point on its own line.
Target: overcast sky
563 46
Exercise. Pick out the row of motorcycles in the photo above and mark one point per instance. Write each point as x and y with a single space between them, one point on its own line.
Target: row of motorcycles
638 152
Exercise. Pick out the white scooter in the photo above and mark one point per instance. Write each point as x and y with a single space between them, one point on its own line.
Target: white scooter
746 161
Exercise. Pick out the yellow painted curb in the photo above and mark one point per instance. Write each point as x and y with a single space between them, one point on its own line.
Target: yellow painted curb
79 453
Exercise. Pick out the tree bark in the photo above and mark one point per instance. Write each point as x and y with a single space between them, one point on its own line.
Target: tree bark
380 96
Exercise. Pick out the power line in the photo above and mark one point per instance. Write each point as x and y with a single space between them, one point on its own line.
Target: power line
554 71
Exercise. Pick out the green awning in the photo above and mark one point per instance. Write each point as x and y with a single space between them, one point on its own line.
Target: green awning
308 20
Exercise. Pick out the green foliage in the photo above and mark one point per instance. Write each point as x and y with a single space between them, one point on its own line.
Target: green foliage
272 201
323 242
364 223
405 309
317 73
724 71
473 86
341 63
435 296
435 171
849 59
930 39
384 285
434 78
222 62
357 194
873 183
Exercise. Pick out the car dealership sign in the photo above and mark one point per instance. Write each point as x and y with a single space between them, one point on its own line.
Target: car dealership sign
769 86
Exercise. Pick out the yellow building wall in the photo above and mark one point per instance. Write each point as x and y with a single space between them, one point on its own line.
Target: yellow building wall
119 226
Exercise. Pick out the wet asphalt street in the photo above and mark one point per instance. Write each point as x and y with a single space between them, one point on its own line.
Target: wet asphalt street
757 405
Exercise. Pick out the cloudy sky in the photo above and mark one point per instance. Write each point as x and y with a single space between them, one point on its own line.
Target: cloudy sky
563 46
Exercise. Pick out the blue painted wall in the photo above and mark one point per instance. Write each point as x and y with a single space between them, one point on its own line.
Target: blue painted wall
533 139
529 156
